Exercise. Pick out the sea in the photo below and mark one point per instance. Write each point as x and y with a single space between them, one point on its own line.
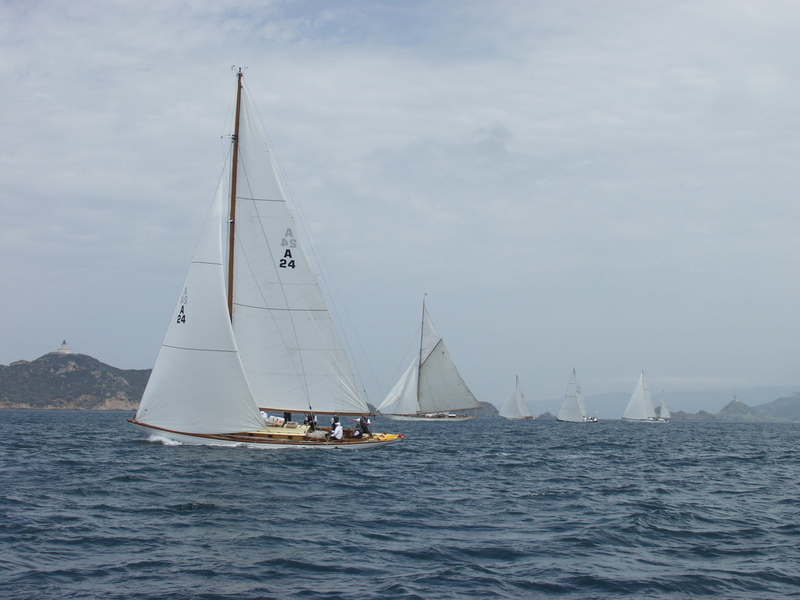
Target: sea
487 508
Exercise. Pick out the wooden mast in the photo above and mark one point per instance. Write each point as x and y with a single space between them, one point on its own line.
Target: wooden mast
234 168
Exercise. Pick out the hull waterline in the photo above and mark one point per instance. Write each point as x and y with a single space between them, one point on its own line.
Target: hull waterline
271 438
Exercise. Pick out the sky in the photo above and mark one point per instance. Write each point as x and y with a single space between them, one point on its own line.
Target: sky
610 187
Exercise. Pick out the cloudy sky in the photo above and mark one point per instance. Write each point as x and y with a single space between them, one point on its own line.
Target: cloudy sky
606 186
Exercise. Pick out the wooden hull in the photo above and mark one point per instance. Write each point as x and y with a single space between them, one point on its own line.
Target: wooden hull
429 419
270 437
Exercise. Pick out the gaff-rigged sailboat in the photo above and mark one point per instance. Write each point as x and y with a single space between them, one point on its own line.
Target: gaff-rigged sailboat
573 408
516 407
431 389
251 333
640 407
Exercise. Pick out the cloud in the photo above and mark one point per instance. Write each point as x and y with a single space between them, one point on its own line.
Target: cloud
610 187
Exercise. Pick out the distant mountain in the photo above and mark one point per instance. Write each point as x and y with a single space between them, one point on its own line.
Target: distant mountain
736 410
488 410
700 416
782 408
65 380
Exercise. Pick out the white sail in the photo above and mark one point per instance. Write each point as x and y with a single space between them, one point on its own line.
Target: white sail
198 383
640 406
439 387
664 412
289 346
515 406
573 408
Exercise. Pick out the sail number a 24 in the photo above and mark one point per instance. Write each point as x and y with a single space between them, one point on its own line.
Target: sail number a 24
184 302
288 243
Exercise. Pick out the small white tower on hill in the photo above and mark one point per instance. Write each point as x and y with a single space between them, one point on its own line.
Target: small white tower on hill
64 348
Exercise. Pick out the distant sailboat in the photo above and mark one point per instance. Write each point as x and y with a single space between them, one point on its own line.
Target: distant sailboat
640 407
573 408
663 410
431 389
252 335
516 407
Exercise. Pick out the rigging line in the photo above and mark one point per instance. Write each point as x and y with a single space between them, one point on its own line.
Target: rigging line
227 128
403 361
319 258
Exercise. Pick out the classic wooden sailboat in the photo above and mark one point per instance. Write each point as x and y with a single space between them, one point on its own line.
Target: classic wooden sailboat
573 408
640 407
516 407
251 333
431 389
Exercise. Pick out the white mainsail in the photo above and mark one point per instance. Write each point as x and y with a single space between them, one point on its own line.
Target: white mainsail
640 406
431 384
198 383
573 408
515 406
290 349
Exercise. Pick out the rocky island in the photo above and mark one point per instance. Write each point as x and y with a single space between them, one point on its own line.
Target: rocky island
66 380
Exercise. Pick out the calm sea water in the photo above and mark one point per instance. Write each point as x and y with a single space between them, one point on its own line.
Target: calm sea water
484 509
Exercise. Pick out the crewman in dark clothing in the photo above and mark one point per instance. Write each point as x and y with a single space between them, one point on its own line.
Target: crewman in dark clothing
311 421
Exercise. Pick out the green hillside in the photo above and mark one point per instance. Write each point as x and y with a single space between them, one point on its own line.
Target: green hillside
70 381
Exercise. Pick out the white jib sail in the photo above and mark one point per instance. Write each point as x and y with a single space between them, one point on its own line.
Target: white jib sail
289 346
640 406
198 384
573 408
402 399
515 406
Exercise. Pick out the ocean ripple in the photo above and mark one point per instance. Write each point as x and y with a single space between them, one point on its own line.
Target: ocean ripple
486 508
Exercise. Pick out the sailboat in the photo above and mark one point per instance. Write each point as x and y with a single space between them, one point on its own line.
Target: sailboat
663 410
516 407
431 389
251 333
573 408
640 407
